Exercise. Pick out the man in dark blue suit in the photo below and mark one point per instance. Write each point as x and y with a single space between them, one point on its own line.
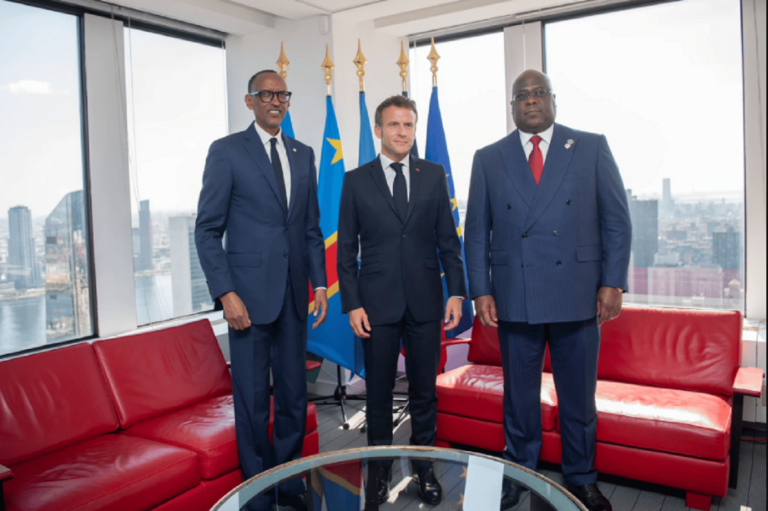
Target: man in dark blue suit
396 211
260 187
547 243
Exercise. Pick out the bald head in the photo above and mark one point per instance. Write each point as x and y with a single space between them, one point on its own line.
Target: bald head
533 103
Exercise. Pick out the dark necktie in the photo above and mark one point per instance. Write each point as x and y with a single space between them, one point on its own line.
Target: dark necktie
399 191
536 159
278 171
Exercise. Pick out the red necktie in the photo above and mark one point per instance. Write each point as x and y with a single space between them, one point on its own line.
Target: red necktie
536 159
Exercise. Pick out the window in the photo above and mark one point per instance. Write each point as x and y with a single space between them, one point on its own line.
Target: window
664 84
45 288
473 100
176 108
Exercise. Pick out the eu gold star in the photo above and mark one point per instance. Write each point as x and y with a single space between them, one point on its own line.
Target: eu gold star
455 203
336 145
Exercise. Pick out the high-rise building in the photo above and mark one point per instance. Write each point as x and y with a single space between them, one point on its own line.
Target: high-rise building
23 267
645 230
144 260
727 249
190 290
67 291
667 202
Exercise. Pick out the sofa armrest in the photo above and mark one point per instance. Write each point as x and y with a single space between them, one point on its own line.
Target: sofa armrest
749 381
454 342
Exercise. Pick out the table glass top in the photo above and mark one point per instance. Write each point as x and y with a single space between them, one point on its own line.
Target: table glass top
337 482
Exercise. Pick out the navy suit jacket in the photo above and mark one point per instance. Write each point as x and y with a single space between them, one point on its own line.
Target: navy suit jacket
544 251
399 259
263 239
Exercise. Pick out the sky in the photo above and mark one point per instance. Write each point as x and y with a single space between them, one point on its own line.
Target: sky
666 91
663 83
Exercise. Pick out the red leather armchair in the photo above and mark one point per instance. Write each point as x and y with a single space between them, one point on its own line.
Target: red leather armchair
669 399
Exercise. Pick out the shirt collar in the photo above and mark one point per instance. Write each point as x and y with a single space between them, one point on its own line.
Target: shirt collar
386 162
266 137
545 135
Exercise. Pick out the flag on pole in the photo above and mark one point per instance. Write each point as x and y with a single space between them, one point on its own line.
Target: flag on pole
415 148
340 485
287 125
437 152
333 339
367 151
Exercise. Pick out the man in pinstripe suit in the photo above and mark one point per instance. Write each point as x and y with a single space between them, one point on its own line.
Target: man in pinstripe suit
547 245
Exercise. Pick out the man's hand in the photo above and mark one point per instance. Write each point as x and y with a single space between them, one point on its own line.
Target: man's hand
321 307
453 312
608 304
234 311
358 319
485 306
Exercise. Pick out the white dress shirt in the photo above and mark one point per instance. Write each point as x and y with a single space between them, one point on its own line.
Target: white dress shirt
546 139
389 173
265 139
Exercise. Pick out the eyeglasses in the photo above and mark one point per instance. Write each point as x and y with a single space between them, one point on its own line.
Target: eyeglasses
525 96
266 96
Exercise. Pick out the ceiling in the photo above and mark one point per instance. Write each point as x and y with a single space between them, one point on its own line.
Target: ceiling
397 17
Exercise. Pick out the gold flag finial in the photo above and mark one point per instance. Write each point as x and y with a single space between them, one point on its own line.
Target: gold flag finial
403 63
433 57
328 66
282 62
360 62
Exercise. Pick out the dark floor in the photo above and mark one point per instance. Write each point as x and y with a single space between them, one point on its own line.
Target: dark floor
625 495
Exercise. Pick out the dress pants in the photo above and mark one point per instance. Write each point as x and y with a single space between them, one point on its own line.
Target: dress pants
422 358
282 345
574 347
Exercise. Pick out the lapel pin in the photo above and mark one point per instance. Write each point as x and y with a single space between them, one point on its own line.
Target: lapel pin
569 143
294 149
417 169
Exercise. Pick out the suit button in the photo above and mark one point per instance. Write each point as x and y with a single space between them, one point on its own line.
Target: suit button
525 236
509 206
403 236
559 263
285 255
555 233
287 227
568 202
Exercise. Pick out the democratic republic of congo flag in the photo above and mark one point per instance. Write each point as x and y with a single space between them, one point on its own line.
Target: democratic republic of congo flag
340 485
333 339
437 152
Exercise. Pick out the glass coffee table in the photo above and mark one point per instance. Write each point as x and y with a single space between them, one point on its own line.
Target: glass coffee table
337 481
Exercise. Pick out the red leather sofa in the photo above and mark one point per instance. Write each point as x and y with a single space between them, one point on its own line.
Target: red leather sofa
126 424
669 399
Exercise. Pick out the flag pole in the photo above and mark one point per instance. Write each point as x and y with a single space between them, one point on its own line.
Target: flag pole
282 65
360 61
328 66
402 63
433 57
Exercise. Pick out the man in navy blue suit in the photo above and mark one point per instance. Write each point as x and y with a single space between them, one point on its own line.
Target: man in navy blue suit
396 211
547 244
260 187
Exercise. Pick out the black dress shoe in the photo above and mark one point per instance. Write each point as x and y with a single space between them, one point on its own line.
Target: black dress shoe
430 491
378 492
510 493
590 496
294 501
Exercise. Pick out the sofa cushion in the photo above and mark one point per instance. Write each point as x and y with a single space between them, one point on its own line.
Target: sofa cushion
208 429
50 400
112 471
667 420
477 391
163 370
484 347
672 348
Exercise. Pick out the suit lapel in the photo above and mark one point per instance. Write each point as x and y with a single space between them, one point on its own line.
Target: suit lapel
558 159
255 149
377 173
517 168
289 150
415 182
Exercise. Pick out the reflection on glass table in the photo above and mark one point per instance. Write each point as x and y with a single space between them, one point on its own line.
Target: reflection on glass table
338 481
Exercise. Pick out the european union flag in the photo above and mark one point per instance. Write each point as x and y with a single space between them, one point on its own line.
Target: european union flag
437 152
287 125
415 147
333 339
